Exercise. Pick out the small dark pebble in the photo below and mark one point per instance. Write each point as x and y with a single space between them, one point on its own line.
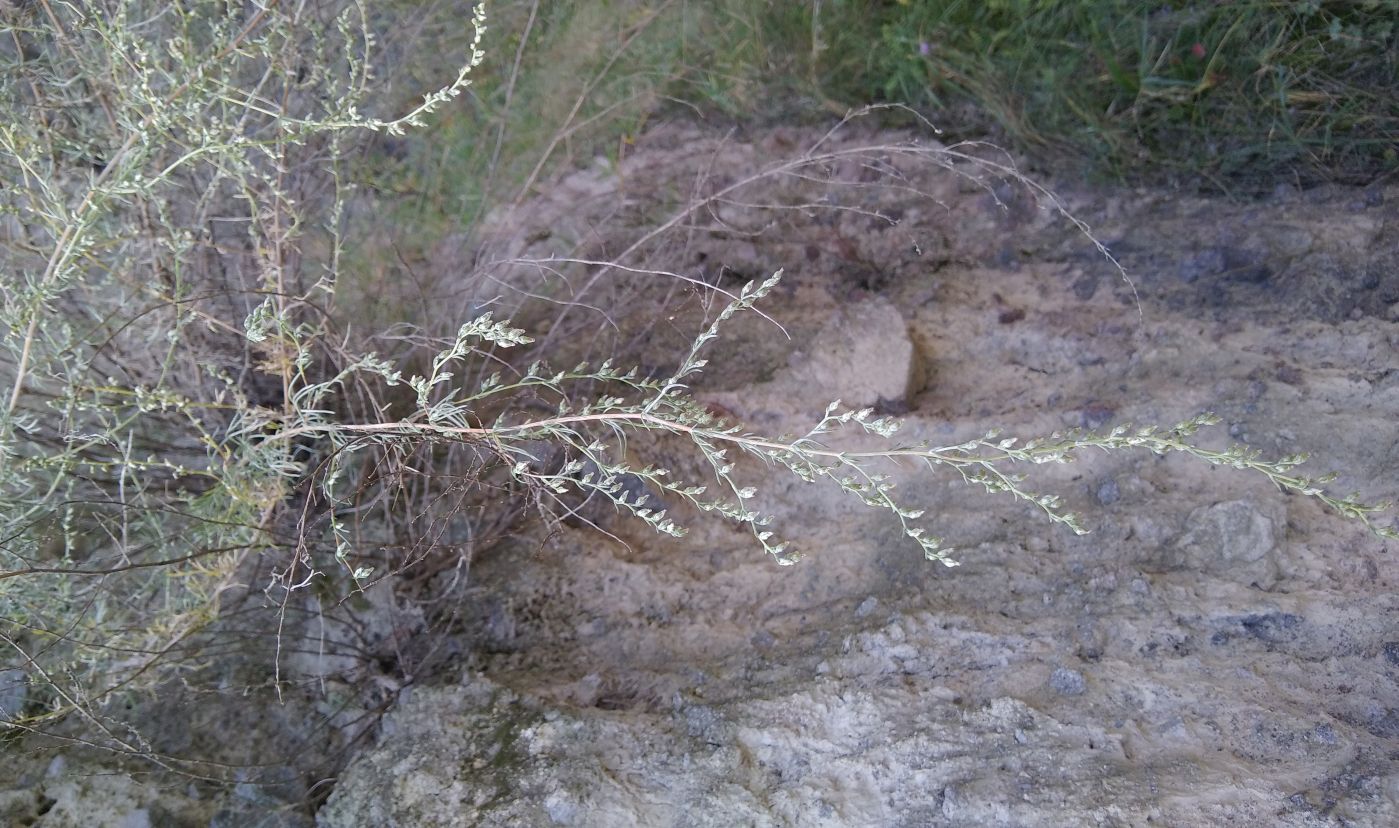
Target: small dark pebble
1252 274
1096 415
1108 492
1272 627
1289 375
885 407
1391 652
1085 287
1010 315
1245 266
1006 259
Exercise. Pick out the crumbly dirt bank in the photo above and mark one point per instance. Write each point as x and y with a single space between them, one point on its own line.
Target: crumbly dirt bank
1215 652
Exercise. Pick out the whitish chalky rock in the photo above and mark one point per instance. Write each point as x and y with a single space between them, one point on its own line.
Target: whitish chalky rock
863 356
1233 540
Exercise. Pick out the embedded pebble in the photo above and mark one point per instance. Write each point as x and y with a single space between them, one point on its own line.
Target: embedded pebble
1067 682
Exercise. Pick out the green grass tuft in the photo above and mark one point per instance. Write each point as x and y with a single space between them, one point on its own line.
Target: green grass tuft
1242 93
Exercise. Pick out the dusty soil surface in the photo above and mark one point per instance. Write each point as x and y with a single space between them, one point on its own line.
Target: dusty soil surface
1215 652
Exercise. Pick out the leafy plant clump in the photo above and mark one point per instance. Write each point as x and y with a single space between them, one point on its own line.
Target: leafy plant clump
192 438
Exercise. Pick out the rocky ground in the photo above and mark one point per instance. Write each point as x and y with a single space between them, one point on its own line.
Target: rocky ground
1214 652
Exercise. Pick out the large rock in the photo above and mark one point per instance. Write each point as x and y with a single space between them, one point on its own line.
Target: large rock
863 356
1232 540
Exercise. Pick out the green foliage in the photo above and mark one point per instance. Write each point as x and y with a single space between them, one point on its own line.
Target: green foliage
1243 93
1239 94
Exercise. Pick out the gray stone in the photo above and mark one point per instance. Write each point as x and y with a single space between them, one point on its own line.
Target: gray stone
1108 492
863 356
1067 682
1086 286
1232 540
